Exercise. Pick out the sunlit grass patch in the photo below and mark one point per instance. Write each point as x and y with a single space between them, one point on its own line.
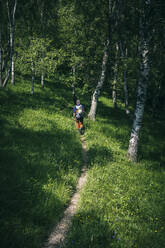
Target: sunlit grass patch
122 204
42 120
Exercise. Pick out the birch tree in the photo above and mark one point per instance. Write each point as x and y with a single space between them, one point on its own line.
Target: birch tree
142 87
114 84
12 36
41 6
96 94
11 25
123 51
115 17
92 112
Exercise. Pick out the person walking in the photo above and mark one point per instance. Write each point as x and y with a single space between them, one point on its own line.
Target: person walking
79 115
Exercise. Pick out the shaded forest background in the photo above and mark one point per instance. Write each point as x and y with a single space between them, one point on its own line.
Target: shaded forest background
67 39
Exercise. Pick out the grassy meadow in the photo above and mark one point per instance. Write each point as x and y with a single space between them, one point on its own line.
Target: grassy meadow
40 161
122 204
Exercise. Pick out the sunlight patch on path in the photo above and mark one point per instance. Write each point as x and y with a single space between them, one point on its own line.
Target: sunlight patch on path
57 236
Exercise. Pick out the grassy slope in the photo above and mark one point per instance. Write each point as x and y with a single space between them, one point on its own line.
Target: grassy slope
122 204
40 161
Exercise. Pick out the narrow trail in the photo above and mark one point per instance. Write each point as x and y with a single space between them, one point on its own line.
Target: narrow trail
58 235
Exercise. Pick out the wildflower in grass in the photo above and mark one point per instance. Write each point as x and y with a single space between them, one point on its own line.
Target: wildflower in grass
156 230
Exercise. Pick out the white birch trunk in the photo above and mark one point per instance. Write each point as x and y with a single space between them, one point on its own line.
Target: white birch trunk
124 56
92 112
114 94
42 35
12 72
11 31
12 44
6 78
126 92
141 97
9 41
42 80
33 78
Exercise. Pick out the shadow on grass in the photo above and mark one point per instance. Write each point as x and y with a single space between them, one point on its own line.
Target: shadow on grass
35 185
152 144
111 113
117 125
99 155
88 230
26 209
51 98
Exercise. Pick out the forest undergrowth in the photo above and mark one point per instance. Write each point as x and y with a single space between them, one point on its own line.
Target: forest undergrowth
122 204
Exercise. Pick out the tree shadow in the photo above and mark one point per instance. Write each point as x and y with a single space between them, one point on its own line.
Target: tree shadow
34 187
91 231
114 114
151 144
99 155
58 99
88 230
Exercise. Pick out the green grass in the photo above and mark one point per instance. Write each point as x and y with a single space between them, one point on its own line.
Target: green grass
122 204
40 161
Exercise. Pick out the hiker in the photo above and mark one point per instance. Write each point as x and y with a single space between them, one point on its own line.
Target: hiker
79 115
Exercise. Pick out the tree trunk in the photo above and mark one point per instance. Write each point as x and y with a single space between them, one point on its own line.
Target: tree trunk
41 5
114 91
12 44
124 57
42 80
6 78
11 31
141 97
126 92
114 94
93 108
33 70
12 72
92 112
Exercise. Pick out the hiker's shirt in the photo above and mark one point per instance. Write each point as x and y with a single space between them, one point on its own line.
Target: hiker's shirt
78 110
